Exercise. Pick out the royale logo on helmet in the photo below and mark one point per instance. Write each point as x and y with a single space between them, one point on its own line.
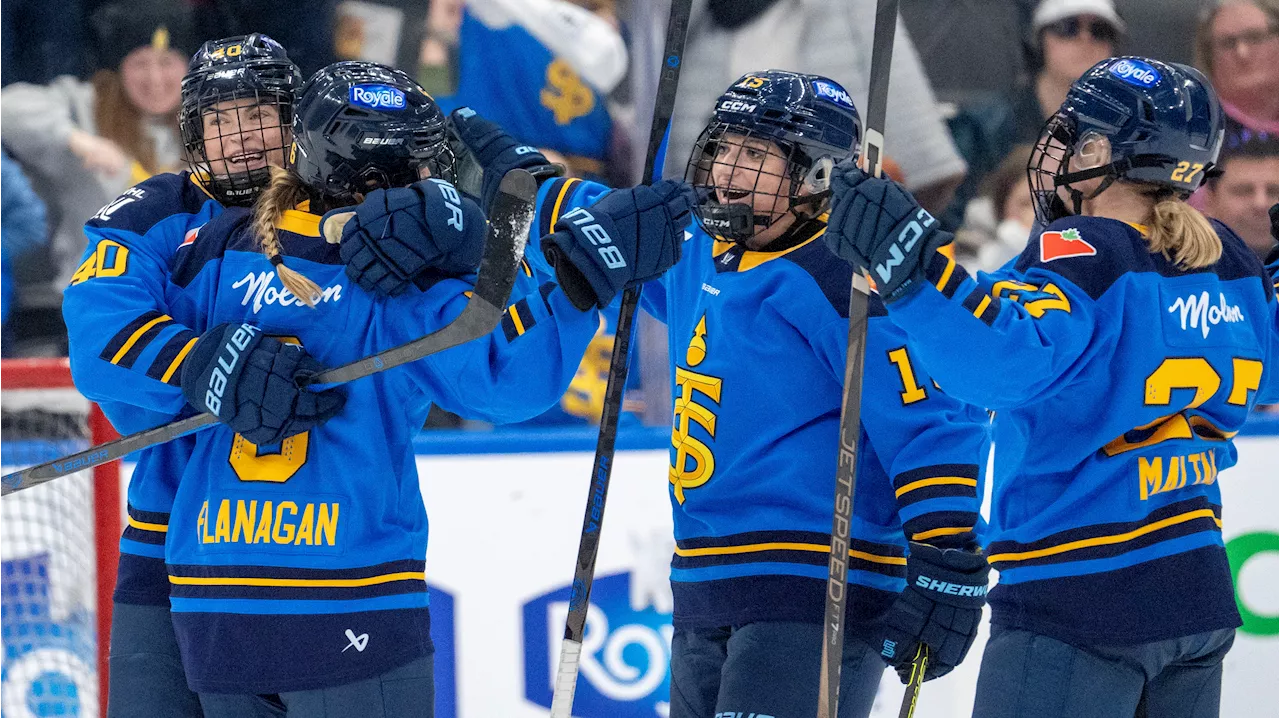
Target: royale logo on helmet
1135 72
377 97
832 92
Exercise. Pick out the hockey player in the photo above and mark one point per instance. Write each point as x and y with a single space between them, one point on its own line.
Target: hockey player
125 345
1121 352
757 323
296 550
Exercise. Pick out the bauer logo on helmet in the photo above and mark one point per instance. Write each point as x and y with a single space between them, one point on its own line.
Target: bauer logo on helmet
377 97
1135 72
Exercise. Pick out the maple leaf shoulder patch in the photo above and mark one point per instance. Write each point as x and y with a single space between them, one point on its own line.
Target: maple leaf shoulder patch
1064 244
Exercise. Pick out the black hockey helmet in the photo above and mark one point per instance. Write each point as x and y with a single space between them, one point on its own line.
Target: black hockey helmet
361 126
1163 122
224 80
809 118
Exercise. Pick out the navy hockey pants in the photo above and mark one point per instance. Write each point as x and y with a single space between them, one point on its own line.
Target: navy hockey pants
146 679
405 692
767 669
1030 675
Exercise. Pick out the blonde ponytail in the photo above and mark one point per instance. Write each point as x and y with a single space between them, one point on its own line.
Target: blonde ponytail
285 192
1182 234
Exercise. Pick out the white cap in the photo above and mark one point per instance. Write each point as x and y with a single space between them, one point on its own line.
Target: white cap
1051 11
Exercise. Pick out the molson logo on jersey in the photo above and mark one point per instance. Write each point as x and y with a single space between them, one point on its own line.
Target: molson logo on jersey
1196 312
833 92
377 97
1135 72
259 290
625 653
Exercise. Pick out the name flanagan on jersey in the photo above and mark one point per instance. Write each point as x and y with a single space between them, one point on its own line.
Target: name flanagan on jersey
259 290
250 521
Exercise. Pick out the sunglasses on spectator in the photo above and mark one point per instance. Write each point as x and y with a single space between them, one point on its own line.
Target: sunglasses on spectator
1070 27
1249 38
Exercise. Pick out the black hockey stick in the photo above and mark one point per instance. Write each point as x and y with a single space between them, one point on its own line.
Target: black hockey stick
509 221
589 543
851 404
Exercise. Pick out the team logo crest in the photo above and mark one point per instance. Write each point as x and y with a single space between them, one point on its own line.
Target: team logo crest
1064 244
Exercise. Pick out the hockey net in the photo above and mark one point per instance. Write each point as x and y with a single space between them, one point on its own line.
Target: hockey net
58 548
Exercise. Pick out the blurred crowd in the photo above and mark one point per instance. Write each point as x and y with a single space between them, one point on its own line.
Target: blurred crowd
91 93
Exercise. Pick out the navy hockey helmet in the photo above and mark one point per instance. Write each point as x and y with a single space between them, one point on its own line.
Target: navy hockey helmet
361 126
807 120
237 109
1163 124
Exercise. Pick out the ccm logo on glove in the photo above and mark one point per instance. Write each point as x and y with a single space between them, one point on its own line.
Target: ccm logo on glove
905 242
599 237
226 364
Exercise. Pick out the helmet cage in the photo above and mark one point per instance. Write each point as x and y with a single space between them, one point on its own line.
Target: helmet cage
800 189
236 125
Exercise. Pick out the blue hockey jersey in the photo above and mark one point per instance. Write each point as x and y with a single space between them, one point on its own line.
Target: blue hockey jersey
1118 381
125 347
301 565
758 342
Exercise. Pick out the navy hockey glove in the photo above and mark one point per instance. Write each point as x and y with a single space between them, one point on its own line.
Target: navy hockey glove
628 237
941 607
407 235
485 153
877 226
251 383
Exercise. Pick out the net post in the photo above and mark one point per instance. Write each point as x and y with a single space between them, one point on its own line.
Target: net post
106 528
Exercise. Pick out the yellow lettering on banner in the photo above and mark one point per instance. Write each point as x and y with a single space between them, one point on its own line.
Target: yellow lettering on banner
566 95
263 534
279 535
305 526
245 521
327 524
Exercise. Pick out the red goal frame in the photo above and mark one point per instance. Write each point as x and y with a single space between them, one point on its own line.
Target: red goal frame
56 374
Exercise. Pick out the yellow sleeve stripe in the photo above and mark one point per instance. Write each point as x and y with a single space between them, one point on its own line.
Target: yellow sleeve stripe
134 523
177 361
935 533
786 546
564 192
133 338
982 306
946 273
1107 540
299 582
937 481
515 319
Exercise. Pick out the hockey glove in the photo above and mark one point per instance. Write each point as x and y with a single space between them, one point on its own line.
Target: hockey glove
877 227
486 152
251 383
940 607
628 237
407 235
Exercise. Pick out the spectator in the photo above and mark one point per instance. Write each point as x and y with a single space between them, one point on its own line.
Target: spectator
1237 47
542 69
1247 188
828 37
999 221
85 142
1067 38
21 229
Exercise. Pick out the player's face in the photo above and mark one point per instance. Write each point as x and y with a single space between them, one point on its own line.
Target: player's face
152 79
243 135
751 171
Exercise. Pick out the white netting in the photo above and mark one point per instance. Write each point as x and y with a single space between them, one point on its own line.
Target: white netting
48 586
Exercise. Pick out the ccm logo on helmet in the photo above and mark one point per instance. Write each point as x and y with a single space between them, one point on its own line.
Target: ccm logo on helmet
227 361
737 106
907 239
1135 72
604 243
377 97
832 93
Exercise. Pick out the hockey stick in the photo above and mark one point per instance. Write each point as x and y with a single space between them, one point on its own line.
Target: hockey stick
919 665
851 404
509 222
589 543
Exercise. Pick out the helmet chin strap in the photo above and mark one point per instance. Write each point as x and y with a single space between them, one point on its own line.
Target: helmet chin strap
1110 172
